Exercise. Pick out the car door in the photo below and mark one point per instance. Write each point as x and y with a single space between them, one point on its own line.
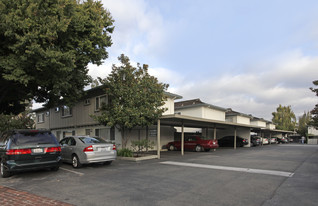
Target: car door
190 143
65 149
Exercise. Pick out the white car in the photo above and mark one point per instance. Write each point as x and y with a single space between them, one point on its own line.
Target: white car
80 150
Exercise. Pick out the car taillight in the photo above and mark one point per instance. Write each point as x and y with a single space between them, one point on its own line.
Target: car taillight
88 149
114 147
52 149
18 151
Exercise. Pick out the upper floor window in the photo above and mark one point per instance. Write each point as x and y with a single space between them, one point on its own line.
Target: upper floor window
66 111
40 117
56 109
100 101
87 102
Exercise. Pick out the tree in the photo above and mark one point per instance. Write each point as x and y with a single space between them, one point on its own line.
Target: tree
284 118
303 122
135 98
45 48
314 112
24 120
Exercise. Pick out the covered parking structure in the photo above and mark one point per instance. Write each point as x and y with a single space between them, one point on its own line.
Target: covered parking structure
177 120
265 132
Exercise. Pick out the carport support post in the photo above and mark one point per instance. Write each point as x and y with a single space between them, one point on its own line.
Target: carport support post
182 139
234 137
158 139
214 134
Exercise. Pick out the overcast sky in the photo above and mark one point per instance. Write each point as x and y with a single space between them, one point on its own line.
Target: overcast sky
246 55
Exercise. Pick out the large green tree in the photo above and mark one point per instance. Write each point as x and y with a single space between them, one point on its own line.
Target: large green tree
135 98
45 48
303 122
314 112
284 118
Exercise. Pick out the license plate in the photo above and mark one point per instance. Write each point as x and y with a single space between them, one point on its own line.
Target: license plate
102 149
37 150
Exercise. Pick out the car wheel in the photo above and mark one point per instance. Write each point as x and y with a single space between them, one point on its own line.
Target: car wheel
198 148
75 161
108 162
172 148
4 171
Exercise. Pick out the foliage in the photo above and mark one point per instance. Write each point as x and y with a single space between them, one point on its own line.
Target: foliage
135 98
284 118
314 112
125 152
141 145
45 48
11 122
303 123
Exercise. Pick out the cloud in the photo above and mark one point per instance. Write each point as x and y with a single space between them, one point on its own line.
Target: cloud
139 28
259 91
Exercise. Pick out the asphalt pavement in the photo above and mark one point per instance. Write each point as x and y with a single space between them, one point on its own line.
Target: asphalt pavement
267 175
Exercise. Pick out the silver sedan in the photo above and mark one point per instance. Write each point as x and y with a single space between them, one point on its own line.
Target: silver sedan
80 150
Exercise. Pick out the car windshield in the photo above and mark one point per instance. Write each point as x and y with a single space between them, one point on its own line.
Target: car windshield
33 138
92 140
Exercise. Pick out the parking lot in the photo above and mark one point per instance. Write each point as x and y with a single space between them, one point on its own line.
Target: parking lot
267 175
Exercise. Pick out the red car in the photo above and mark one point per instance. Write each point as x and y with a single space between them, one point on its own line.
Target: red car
195 142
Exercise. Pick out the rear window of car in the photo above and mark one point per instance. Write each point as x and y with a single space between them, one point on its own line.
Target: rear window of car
91 140
20 139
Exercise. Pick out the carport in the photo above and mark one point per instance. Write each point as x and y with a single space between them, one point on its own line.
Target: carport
271 132
177 120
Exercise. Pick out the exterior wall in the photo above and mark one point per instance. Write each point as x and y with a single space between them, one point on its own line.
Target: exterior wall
203 112
238 119
209 113
193 112
258 123
169 104
166 133
313 131
270 126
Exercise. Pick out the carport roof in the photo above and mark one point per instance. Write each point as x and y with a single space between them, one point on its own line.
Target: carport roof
189 121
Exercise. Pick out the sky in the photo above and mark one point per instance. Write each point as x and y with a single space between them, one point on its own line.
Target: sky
246 55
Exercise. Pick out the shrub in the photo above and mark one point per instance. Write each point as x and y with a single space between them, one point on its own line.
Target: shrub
124 152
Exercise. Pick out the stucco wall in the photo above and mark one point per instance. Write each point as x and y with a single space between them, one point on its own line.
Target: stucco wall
213 114
258 123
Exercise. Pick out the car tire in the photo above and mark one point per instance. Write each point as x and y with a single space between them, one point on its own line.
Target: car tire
4 171
171 148
199 148
75 161
108 162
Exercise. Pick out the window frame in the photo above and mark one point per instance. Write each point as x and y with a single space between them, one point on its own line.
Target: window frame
98 102
68 110
40 120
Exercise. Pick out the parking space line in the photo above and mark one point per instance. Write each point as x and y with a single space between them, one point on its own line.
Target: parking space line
237 169
79 173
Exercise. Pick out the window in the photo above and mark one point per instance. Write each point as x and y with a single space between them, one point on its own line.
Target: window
87 102
47 113
57 109
66 111
88 132
41 118
100 101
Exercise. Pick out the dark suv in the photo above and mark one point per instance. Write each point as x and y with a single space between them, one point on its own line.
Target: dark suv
22 150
